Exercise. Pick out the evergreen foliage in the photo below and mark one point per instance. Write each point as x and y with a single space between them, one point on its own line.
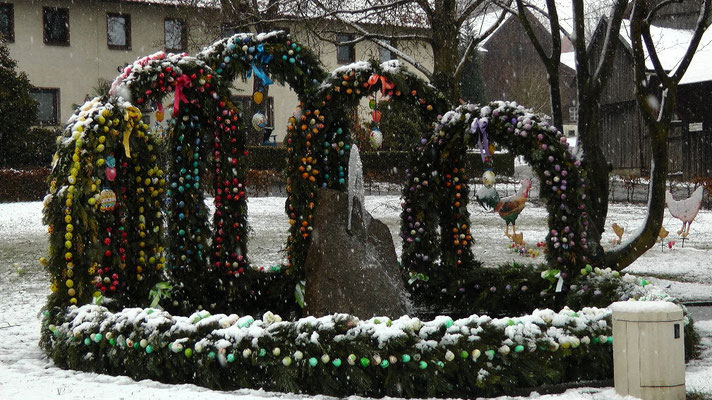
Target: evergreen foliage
18 112
472 88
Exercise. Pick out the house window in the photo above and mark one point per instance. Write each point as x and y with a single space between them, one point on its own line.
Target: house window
384 54
118 31
47 105
345 54
56 26
573 114
175 35
7 22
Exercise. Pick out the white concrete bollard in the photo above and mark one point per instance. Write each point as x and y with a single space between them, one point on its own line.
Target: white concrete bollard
648 350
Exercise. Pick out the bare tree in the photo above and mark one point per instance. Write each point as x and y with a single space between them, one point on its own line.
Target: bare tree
657 103
383 22
592 73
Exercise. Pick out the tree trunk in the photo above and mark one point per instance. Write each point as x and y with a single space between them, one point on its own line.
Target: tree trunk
445 50
597 168
623 256
555 96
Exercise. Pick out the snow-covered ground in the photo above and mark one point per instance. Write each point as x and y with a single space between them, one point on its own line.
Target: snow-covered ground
25 373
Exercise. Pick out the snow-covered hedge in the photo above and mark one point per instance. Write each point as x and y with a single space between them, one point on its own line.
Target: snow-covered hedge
339 354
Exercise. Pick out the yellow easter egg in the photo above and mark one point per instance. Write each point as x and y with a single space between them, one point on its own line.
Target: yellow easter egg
258 97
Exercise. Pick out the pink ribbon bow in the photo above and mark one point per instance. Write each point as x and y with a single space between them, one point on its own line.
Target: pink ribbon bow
181 82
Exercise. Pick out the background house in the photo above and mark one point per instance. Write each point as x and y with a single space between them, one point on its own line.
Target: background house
512 69
625 141
67 47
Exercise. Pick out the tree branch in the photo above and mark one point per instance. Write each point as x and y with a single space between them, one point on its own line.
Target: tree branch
426 8
700 29
654 10
521 13
653 54
601 75
640 77
475 41
467 11
407 58
373 36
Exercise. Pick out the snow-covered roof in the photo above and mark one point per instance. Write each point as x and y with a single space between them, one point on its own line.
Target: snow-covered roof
670 45
569 59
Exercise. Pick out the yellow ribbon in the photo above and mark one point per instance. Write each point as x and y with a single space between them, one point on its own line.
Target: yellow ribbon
131 115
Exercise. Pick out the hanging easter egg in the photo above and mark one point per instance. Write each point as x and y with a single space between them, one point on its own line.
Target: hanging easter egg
376 116
259 121
257 97
110 173
372 104
491 148
107 200
110 161
375 138
159 115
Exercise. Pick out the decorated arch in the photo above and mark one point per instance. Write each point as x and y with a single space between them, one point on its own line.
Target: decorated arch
436 227
319 136
108 163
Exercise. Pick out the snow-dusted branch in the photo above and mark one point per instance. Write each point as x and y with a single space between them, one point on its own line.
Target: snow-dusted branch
700 29
407 58
469 10
474 41
601 73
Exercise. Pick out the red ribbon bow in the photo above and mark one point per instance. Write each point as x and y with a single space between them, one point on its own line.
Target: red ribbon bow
181 82
385 83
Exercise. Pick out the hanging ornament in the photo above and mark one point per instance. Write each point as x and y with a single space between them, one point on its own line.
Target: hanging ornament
159 113
375 138
372 104
110 173
376 116
259 121
257 97
107 200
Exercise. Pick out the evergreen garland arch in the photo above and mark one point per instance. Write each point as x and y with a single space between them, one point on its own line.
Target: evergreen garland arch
439 161
95 247
205 130
319 138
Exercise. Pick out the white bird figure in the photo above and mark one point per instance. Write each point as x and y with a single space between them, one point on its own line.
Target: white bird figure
685 210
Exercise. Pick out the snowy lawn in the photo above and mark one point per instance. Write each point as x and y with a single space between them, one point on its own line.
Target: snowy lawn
25 373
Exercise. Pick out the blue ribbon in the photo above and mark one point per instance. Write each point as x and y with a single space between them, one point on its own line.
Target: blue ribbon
479 125
260 59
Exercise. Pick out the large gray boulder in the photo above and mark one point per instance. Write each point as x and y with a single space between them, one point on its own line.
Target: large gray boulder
351 271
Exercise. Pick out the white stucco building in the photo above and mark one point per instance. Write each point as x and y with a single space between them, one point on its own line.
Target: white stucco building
66 47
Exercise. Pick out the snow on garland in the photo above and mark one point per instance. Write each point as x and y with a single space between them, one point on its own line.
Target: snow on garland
338 354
